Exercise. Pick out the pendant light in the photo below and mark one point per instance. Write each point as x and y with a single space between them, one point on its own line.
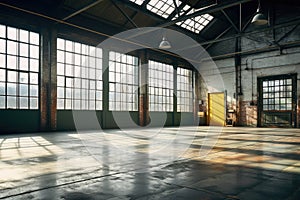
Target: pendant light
259 18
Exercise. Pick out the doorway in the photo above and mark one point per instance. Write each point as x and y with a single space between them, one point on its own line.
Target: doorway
216 109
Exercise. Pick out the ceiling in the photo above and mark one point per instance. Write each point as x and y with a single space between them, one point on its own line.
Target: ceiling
126 14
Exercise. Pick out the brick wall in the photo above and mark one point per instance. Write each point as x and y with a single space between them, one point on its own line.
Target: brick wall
248 114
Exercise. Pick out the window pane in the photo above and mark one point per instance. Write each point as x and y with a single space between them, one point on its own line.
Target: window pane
60 104
34 38
24 50
12 62
11 33
34 78
34 51
24 64
12 47
33 103
2 74
11 102
34 65
23 77
60 44
12 76
2 31
2 46
69 45
60 93
24 36
23 90
23 103
2 88
2 61
34 90
2 102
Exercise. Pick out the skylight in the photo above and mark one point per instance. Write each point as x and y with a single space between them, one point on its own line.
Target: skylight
163 7
139 2
195 24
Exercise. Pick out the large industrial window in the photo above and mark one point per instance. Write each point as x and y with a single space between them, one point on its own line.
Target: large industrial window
123 82
184 90
160 86
79 76
276 99
277 94
19 68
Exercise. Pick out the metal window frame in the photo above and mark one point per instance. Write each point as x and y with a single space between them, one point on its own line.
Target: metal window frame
167 79
261 111
85 101
127 105
17 70
186 102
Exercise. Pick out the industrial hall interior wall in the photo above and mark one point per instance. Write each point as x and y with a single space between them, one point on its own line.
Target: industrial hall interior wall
250 65
47 113
254 67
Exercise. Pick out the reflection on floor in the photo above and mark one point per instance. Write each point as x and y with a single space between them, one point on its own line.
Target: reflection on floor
170 163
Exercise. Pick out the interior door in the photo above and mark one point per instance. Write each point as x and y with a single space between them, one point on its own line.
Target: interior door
216 109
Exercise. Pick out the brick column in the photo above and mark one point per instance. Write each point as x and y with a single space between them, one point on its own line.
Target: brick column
48 79
144 117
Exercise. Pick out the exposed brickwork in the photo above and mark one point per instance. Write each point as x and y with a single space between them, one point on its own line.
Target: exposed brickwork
298 113
248 114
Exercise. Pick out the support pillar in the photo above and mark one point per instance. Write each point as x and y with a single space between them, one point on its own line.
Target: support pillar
105 78
196 94
144 116
238 80
48 79
175 114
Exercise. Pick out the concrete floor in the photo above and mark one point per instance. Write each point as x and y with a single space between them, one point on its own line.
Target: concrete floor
245 163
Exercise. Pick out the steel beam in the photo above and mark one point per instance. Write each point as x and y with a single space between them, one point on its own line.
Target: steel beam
180 7
230 21
292 22
210 9
125 15
82 10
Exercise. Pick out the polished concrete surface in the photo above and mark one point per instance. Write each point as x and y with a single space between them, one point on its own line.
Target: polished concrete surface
168 163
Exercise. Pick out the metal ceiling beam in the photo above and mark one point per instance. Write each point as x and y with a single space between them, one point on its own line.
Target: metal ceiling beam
285 24
180 7
176 7
243 34
219 36
82 10
144 4
288 33
138 8
154 16
210 9
124 14
230 21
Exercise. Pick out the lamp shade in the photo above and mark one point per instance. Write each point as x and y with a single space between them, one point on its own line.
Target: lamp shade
259 19
164 44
